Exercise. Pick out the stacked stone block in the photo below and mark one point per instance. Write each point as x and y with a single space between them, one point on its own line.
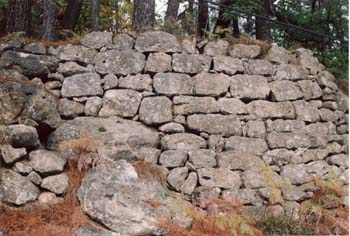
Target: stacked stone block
222 119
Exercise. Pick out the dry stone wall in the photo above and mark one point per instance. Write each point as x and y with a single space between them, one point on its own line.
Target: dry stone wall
220 119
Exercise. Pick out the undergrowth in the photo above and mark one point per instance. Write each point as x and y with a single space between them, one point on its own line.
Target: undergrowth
74 41
281 225
27 40
224 219
149 171
59 219
85 150
325 211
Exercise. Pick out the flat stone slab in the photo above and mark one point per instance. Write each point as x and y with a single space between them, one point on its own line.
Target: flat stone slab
119 62
115 137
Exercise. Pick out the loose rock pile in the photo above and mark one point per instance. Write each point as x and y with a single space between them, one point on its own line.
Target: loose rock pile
220 119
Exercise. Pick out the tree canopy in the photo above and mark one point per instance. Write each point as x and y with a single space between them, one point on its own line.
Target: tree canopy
325 21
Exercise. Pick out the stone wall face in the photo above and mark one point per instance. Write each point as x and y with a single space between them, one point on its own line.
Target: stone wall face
221 119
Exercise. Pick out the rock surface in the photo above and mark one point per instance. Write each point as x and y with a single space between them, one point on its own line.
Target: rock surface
157 41
110 134
118 199
123 102
46 162
119 62
82 85
215 124
16 189
218 120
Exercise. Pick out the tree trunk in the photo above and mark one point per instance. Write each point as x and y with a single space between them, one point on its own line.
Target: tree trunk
116 8
262 27
190 7
203 17
19 16
172 9
223 23
236 32
49 20
95 15
144 15
72 14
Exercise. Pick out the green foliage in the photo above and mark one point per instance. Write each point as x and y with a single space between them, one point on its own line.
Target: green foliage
336 61
329 17
3 4
3 9
248 6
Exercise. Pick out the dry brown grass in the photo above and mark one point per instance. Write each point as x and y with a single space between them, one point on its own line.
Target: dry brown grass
85 150
150 172
224 219
60 219
343 85
2 136
265 46
74 41
23 82
5 38
325 212
152 203
83 144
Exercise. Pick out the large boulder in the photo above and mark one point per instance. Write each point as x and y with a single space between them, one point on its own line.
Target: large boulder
115 137
121 200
